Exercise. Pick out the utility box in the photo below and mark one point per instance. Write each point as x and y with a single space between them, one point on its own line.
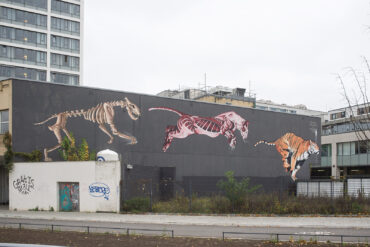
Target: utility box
107 155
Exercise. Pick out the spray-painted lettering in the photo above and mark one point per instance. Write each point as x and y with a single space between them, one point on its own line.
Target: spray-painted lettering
99 190
24 184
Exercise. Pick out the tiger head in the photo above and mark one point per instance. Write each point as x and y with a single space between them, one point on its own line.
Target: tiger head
313 148
132 109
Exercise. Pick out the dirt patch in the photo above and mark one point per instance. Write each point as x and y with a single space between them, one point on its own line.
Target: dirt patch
78 239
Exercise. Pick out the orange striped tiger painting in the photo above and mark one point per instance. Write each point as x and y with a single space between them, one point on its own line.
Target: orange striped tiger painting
294 151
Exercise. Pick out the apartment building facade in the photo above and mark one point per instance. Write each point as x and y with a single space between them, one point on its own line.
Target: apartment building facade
345 144
42 40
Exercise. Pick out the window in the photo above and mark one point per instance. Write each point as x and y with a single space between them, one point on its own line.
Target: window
64 78
66 26
326 150
340 149
65 62
65 8
23 17
337 115
36 4
363 147
363 110
20 72
4 121
23 55
346 148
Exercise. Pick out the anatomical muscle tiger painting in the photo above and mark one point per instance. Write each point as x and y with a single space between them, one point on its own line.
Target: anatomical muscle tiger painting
294 151
223 124
102 114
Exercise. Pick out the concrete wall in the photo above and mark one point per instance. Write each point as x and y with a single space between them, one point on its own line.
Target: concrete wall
34 185
196 155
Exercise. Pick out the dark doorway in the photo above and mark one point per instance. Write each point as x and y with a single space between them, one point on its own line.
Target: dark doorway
166 182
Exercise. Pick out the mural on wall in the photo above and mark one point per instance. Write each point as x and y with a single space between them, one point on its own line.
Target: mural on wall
224 124
69 196
294 151
24 184
99 190
101 114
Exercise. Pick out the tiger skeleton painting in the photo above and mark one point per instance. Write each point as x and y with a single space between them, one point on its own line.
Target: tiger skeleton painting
294 151
224 124
101 114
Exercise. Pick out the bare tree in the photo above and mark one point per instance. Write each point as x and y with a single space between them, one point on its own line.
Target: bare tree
355 94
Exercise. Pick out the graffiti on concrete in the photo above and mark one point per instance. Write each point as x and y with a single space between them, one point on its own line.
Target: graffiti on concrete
69 196
99 190
24 184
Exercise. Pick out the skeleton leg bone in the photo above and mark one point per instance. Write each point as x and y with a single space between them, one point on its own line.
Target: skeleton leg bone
56 130
231 139
117 133
102 127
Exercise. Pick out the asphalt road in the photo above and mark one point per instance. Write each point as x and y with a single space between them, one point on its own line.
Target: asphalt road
206 231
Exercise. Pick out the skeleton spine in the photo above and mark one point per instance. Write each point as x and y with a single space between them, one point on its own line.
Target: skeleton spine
265 142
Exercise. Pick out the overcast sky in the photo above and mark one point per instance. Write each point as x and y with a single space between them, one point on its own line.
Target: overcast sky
289 50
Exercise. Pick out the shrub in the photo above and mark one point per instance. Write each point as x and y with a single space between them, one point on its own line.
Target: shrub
179 204
220 205
236 191
137 204
8 155
34 156
69 152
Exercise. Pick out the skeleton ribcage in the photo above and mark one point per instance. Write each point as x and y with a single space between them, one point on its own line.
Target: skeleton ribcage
95 114
207 124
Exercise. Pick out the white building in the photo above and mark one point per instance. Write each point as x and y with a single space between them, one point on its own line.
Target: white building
345 148
268 105
42 40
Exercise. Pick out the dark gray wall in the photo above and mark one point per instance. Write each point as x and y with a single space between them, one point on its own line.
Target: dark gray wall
196 155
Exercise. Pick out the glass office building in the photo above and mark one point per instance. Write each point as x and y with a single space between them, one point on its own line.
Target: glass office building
42 40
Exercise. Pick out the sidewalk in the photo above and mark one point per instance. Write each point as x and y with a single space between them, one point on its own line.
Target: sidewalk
326 222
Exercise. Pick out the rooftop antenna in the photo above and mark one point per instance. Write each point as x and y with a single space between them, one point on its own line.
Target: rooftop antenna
203 86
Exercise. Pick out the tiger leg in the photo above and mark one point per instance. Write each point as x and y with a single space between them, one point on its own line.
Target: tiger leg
285 157
293 170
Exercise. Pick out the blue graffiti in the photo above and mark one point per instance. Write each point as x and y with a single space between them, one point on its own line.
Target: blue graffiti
99 190
100 158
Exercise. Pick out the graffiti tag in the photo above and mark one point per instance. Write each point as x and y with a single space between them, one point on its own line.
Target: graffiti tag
24 184
99 190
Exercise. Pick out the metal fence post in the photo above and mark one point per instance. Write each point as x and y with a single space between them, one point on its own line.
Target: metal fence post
173 235
277 237
20 226
128 231
341 240
223 236
52 228
151 195
190 195
88 229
